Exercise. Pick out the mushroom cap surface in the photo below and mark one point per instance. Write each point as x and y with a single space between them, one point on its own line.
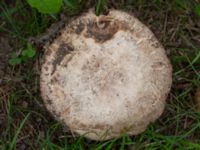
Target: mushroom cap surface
105 76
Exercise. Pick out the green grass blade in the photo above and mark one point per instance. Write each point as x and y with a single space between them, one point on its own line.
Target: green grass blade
13 143
100 6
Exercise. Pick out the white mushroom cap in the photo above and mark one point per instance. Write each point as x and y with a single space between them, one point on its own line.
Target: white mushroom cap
105 75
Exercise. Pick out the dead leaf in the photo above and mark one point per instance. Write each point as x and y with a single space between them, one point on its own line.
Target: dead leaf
197 99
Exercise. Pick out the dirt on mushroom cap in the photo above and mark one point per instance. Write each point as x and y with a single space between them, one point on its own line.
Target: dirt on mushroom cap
106 75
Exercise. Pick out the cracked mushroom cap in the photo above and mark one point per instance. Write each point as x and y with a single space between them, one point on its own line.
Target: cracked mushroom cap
105 76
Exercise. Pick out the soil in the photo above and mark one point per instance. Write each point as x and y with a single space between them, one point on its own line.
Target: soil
5 50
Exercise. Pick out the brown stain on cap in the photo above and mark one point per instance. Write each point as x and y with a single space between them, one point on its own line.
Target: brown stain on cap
63 50
102 30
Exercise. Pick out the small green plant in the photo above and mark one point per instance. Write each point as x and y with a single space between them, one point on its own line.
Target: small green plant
54 6
197 9
26 54
46 6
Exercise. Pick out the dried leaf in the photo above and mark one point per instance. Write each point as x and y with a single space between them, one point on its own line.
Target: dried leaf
197 99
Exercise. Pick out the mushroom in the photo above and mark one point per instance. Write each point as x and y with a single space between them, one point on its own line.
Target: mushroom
105 76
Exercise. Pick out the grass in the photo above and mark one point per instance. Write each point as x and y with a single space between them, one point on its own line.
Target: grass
24 121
